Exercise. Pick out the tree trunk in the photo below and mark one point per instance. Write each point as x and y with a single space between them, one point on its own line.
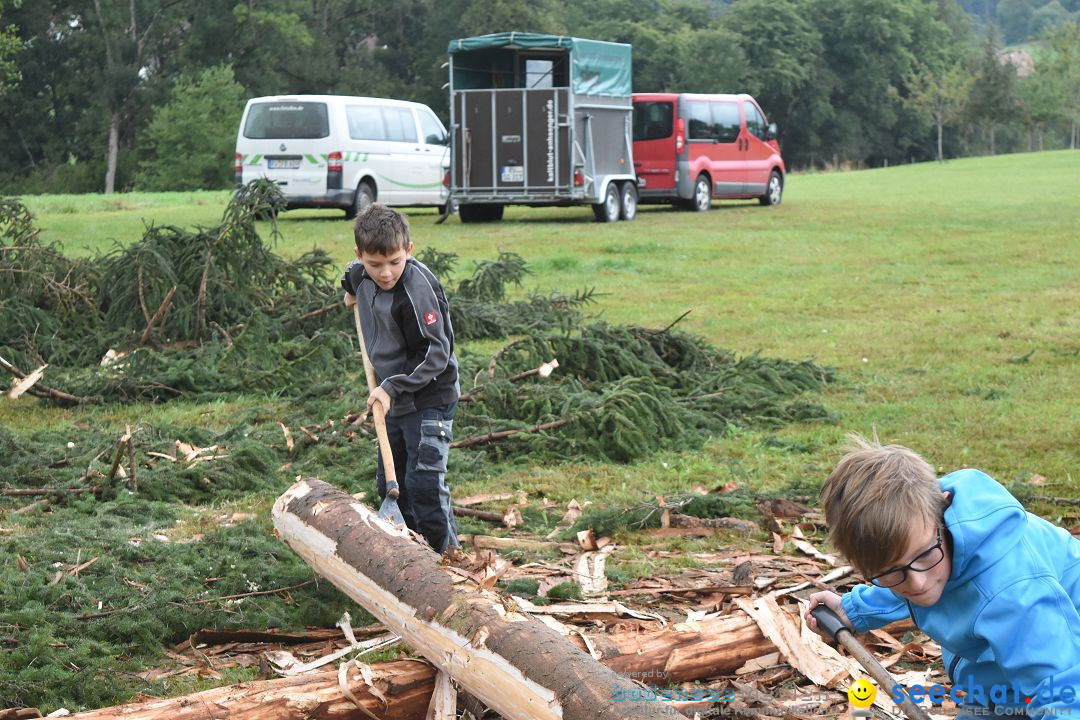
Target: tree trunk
406 684
940 157
512 662
114 149
993 144
676 654
685 652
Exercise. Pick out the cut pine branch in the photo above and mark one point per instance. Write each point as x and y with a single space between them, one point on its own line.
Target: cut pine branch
39 390
512 662
503 434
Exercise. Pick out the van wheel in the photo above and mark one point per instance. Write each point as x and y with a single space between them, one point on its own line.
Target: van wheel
774 191
702 199
480 212
608 211
365 195
628 201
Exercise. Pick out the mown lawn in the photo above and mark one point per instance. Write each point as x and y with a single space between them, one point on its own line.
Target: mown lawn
945 295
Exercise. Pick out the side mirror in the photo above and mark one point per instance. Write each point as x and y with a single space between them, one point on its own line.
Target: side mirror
770 132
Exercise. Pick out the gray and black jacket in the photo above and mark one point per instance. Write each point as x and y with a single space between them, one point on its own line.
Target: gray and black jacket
408 336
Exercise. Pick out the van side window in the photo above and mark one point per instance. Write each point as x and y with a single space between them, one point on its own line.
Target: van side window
400 125
652 120
755 123
365 122
432 130
726 122
700 120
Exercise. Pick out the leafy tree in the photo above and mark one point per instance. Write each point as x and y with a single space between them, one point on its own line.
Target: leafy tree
940 95
787 78
993 92
9 47
190 141
1052 92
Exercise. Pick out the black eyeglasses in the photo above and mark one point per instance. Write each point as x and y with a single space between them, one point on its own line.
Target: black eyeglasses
927 560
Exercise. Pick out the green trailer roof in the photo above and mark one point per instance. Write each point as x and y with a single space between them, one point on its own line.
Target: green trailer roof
597 67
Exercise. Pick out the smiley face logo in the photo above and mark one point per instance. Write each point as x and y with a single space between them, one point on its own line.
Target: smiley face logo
861 693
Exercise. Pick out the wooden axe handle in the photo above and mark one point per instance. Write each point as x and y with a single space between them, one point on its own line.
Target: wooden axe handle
831 623
379 413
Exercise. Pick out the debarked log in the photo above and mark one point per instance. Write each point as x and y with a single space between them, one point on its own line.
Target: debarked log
512 662
405 684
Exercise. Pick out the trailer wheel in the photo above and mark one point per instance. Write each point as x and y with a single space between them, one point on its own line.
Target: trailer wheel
628 201
608 211
480 212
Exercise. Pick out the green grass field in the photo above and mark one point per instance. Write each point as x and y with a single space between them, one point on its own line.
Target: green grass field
945 295
919 283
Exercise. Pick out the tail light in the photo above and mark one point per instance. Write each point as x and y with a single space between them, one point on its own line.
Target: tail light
680 135
446 179
333 162
239 167
579 178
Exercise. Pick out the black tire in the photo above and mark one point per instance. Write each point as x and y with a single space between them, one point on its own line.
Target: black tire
608 211
365 195
774 191
702 198
628 201
480 212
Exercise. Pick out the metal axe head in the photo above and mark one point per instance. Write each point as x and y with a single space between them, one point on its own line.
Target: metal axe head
389 510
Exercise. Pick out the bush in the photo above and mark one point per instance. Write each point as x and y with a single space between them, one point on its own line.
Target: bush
189 144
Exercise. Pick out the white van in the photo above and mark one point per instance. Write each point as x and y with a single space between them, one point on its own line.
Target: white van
334 151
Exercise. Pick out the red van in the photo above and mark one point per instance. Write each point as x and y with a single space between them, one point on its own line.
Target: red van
689 149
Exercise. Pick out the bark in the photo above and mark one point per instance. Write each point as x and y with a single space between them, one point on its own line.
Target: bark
684 652
680 653
406 684
512 662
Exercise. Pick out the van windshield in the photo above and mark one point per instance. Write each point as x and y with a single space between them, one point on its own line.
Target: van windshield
652 120
287 120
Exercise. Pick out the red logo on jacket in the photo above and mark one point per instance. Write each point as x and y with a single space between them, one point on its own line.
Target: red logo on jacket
430 318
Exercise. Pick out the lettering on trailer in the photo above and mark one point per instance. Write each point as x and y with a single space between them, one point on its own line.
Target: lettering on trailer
550 108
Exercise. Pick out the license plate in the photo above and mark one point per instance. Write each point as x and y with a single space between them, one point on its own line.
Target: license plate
513 174
286 164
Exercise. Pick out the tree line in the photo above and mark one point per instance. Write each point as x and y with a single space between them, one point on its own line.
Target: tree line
147 94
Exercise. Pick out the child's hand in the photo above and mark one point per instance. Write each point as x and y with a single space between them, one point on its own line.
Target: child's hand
350 300
381 396
830 600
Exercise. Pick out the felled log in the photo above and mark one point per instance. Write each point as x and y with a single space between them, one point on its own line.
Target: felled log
512 662
677 653
406 685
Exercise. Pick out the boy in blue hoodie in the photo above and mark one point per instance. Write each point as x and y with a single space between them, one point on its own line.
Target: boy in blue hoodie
997 587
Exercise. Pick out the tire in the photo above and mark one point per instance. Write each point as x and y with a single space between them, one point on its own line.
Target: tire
774 191
608 211
702 199
628 201
365 195
480 212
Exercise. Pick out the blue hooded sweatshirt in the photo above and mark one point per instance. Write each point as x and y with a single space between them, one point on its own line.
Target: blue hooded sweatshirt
1008 615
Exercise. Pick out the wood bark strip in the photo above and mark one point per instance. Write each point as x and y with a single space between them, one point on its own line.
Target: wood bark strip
512 662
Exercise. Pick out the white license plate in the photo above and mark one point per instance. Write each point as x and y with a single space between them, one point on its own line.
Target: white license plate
287 164
513 173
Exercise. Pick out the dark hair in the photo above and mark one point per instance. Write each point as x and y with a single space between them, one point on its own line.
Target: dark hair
379 229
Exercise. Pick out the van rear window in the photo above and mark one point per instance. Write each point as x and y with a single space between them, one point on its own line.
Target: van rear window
287 120
652 120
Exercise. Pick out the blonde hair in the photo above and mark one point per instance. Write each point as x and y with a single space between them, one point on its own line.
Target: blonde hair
875 498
